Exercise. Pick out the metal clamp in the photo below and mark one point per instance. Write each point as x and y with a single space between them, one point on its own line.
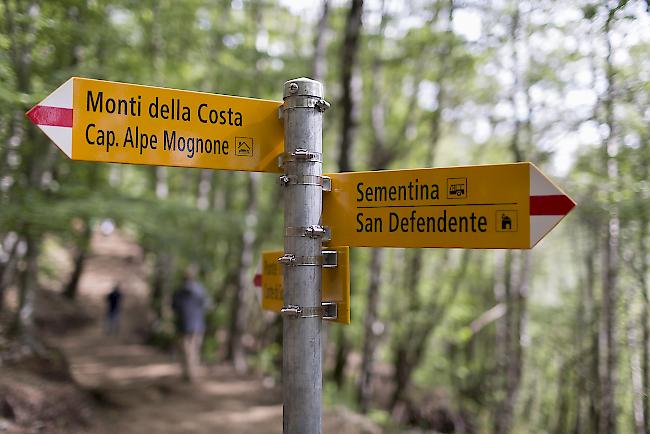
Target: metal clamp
305 180
327 310
321 105
327 183
297 261
330 259
313 231
303 101
301 155
287 259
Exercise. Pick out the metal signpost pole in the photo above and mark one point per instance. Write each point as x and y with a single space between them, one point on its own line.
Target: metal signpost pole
303 199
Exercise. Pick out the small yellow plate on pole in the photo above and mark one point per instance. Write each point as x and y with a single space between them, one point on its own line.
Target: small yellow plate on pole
336 283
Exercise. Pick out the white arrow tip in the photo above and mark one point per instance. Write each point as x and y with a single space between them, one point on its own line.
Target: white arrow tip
548 205
540 185
61 136
54 116
61 97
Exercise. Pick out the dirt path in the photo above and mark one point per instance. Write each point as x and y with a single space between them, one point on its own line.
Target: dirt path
139 387
140 391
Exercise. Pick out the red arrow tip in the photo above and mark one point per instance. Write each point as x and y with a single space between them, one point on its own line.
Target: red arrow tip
52 116
559 204
31 114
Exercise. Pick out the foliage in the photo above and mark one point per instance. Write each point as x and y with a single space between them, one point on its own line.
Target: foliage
458 83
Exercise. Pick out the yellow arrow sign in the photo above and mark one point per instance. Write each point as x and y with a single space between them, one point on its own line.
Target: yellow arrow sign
336 283
95 120
508 206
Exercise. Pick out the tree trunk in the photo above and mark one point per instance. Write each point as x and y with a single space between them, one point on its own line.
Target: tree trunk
71 288
236 352
340 357
161 287
161 183
645 364
319 62
607 338
516 296
562 402
513 290
9 267
642 274
27 279
400 379
349 108
583 335
380 157
403 363
351 90
20 50
635 365
204 189
364 390
592 319
502 347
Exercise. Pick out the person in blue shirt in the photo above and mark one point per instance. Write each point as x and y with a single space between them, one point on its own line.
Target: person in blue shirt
188 304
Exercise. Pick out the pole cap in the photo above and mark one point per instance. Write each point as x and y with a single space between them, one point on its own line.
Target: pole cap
303 86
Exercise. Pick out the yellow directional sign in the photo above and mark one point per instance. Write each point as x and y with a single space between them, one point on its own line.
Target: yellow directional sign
494 206
105 121
336 283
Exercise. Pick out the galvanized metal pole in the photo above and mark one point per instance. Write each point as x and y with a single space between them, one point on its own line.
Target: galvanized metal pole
302 374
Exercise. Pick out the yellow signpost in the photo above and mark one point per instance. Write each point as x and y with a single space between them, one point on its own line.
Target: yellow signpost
336 283
498 206
95 120
494 206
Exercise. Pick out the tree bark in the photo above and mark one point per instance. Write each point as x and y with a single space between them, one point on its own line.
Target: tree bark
349 108
635 365
595 389
513 290
204 189
587 387
403 361
83 248
21 38
236 352
501 296
319 61
379 158
340 357
9 267
239 309
642 274
24 320
351 92
364 389
422 318
414 346
607 338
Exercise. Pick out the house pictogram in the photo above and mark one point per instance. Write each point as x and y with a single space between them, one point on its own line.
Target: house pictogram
506 221
244 146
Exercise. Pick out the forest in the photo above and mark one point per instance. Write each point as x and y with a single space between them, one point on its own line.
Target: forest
555 339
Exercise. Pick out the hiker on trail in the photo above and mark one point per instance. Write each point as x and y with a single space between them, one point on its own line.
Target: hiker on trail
113 303
188 303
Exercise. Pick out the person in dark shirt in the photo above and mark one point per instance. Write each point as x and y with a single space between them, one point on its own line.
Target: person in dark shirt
188 304
113 304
